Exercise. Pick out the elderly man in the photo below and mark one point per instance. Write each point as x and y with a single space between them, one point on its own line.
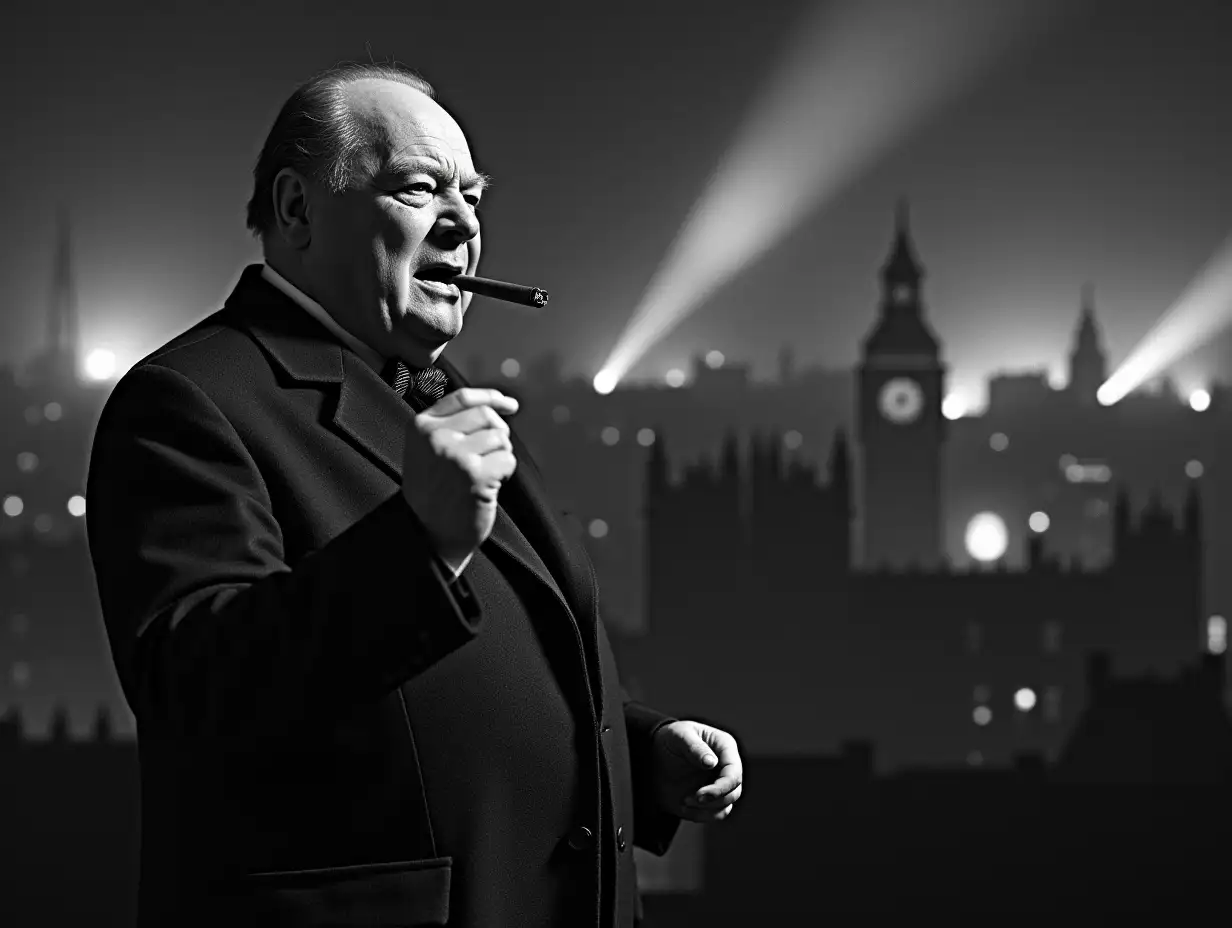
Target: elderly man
364 652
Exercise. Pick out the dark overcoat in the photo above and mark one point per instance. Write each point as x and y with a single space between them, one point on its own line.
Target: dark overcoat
331 730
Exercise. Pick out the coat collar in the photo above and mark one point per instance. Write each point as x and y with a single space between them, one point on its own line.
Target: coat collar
374 419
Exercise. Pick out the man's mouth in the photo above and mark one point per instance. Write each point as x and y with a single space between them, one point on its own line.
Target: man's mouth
435 279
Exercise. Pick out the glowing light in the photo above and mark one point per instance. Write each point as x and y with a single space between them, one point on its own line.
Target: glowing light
674 377
975 758
1199 401
1216 634
100 364
21 674
999 441
1056 378
1066 461
1194 469
13 506
1024 699
27 461
714 359
53 411
859 76
982 715
1039 522
77 506
982 693
42 523
1197 315
560 414
953 407
610 435
1088 473
605 381
987 537
511 368
792 439
597 528
645 437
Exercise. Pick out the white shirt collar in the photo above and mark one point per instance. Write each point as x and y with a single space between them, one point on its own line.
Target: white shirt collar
373 358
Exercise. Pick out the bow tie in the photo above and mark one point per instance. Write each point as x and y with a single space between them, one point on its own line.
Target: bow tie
423 385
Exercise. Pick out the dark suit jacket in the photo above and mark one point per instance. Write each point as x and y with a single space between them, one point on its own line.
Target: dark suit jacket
284 634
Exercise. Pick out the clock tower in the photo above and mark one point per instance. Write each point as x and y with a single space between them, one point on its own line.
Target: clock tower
900 381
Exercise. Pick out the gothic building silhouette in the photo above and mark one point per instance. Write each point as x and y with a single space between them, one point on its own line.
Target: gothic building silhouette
761 615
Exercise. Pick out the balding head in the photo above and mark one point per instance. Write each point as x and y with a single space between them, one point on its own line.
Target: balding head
317 134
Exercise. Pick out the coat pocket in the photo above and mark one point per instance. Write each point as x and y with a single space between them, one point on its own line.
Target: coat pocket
399 894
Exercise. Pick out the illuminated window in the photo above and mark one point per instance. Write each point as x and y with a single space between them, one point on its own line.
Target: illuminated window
982 693
1216 634
1052 703
13 506
53 411
1194 469
674 377
610 435
510 368
999 441
1052 637
1024 699
597 528
792 439
560 414
982 715
714 359
645 437
27 461
77 506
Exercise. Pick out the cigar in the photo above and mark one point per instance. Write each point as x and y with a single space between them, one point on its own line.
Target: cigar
500 290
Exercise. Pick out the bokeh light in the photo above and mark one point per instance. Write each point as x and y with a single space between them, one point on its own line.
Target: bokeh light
987 537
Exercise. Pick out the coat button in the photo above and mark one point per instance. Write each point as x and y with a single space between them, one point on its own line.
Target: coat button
605 729
581 838
620 838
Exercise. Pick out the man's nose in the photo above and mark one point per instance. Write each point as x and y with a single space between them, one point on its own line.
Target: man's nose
457 222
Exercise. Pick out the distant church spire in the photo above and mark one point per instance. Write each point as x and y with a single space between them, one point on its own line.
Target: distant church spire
57 362
1088 365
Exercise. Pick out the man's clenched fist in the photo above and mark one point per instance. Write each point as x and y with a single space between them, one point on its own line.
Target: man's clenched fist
457 455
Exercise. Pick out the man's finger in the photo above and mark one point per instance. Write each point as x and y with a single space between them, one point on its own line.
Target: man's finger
468 397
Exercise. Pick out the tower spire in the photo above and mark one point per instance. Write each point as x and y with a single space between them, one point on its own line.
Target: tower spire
1088 365
62 323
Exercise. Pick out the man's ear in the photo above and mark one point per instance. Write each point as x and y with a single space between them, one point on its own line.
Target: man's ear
292 208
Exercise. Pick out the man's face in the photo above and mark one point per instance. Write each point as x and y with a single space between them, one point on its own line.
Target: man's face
375 249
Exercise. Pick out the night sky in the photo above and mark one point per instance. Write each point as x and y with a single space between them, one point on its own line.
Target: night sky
1101 152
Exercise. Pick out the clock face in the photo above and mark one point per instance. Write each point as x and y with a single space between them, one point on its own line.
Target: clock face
902 294
901 400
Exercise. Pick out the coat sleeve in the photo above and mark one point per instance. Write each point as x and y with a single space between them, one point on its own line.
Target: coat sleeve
211 631
653 828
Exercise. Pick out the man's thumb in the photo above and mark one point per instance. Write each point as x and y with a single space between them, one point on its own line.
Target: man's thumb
704 755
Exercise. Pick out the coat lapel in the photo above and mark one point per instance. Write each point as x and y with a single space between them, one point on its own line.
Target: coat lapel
374 418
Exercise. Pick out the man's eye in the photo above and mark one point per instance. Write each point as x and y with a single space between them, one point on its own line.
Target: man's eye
422 187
